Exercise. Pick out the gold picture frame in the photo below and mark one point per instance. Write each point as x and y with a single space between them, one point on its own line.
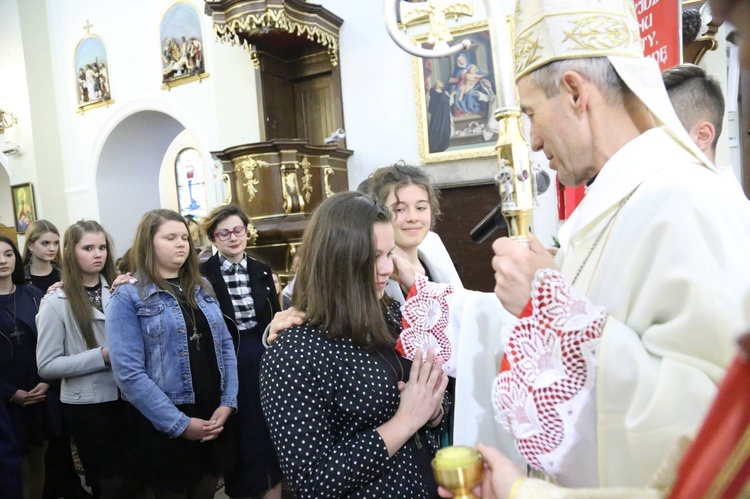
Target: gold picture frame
182 51
93 85
24 208
465 104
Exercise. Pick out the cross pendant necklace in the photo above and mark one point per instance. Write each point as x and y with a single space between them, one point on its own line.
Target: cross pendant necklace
196 337
16 334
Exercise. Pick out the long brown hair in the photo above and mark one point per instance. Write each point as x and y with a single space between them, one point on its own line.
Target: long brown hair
143 259
36 230
78 299
335 282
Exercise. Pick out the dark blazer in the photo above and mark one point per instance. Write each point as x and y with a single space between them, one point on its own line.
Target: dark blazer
26 304
263 290
323 400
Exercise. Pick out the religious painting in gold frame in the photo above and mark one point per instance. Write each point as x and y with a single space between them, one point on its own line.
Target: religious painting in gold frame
93 87
456 99
182 54
24 208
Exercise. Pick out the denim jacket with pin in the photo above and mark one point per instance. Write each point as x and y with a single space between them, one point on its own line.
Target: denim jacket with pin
148 344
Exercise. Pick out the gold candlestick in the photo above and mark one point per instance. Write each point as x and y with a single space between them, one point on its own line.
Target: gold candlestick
458 469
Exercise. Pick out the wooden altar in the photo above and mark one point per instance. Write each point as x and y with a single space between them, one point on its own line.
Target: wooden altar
278 184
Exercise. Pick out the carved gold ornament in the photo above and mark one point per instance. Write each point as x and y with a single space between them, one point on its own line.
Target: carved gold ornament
307 188
275 19
327 172
436 11
247 167
293 202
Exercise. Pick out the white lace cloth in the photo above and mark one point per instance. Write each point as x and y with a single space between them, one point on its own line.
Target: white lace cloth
426 316
549 371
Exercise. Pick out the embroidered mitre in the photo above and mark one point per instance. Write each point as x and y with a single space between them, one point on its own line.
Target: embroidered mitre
550 30
554 30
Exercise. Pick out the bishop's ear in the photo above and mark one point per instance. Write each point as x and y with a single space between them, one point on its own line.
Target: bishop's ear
576 90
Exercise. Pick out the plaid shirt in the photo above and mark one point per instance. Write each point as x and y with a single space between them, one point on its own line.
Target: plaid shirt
238 285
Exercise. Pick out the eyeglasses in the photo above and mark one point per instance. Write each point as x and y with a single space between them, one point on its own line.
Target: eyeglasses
225 234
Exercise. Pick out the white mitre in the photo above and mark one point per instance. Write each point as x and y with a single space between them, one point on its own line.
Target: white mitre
553 30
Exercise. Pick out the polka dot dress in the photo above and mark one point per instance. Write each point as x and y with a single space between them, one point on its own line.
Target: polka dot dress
322 400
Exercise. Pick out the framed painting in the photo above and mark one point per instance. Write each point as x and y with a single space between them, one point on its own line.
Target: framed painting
456 99
93 87
24 210
181 37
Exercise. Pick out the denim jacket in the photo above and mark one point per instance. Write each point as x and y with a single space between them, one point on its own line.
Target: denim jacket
149 353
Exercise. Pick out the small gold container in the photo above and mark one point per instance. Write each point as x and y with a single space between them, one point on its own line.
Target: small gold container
458 469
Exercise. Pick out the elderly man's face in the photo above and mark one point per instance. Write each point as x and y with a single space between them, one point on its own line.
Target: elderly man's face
556 130
736 12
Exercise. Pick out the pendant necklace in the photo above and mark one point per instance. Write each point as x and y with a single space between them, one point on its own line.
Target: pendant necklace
196 337
17 333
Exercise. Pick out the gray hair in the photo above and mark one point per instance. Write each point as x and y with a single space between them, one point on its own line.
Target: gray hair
695 96
597 70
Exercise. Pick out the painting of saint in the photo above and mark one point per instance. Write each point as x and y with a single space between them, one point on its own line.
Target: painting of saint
23 206
456 101
92 72
181 44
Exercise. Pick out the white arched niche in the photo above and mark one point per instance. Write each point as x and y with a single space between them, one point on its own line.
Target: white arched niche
128 171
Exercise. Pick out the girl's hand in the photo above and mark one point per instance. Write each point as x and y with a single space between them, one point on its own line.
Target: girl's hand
284 320
215 426
195 430
422 396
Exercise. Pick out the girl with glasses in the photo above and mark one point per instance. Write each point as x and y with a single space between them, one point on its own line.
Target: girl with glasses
247 295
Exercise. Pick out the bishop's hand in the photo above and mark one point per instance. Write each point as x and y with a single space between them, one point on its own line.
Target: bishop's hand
515 266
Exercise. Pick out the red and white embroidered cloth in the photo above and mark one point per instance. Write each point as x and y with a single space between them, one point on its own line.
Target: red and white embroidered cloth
549 370
425 321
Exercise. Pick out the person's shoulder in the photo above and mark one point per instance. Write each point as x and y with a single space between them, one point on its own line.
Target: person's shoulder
256 265
298 339
211 263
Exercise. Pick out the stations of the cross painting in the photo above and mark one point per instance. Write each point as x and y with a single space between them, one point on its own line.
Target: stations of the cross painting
436 11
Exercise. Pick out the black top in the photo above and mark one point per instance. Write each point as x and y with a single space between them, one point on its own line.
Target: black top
42 282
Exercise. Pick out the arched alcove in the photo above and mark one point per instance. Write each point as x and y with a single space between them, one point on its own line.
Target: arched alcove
127 174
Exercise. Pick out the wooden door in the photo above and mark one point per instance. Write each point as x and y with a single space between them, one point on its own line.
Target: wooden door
316 112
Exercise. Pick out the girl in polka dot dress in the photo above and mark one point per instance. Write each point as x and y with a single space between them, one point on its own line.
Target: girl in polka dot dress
349 417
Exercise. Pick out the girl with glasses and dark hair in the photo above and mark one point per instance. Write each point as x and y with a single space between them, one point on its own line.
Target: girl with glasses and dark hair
348 415
247 295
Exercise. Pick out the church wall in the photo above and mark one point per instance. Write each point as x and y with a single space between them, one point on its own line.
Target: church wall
62 149
220 111
24 69
380 111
